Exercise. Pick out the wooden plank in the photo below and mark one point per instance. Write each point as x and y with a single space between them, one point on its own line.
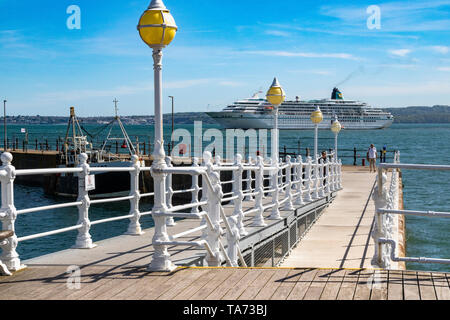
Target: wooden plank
334 282
395 285
364 286
152 292
410 286
15 286
223 288
379 285
317 285
90 279
211 285
302 285
348 286
236 291
286 285
35 282
197 285
117 283
186 279
251 291
441 286
271 286
190 276
426 286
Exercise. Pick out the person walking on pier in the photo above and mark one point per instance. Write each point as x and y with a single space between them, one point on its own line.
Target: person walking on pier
372 155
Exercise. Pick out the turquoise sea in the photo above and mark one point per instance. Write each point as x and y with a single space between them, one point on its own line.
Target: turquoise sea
423 190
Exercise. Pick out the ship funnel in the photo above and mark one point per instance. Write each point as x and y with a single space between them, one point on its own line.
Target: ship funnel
336 95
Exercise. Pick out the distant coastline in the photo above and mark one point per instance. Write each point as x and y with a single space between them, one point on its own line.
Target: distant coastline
413 114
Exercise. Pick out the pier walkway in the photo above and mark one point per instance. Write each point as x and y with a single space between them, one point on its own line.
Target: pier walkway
124 282
331 261
341 236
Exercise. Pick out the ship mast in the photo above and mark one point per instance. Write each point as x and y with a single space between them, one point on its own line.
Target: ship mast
76 143
127 140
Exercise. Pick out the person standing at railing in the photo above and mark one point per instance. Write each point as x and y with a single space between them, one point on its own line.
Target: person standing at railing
372 157
323 159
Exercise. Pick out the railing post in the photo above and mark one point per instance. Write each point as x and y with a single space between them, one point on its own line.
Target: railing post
316 179
328 166
8 213
380 197
308 178
299 201
275 215
84 240
237 191
195 187
321 179
169 192
248 183
340 174
333 172
288 193
161 257
258 220
134 227
233 238
214 197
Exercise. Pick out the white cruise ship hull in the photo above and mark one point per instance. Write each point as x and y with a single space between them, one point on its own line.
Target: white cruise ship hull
238 120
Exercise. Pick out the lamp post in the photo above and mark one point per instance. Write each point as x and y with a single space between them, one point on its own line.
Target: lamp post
316 118
4 123
157 29
171 97
336 128
275 96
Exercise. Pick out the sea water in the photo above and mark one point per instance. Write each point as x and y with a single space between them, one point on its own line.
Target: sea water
423 190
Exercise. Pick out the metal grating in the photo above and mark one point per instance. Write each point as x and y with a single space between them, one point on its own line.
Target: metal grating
270 252
301 226
263 255
247 259
293 234
281 246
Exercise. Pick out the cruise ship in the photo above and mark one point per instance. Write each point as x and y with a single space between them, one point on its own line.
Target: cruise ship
257 113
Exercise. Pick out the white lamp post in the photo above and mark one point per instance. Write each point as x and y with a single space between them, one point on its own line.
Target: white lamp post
336 128
316 118
275 96
157 29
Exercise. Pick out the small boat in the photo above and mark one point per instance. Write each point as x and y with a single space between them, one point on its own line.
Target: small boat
107 184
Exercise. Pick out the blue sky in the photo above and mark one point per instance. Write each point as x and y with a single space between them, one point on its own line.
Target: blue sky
224 50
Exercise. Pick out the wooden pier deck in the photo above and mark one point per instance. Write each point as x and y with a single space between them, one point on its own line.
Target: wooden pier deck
135 283
337 269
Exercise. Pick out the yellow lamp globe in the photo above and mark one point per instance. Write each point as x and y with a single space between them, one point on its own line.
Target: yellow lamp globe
276 94
157 27
336 126
317 116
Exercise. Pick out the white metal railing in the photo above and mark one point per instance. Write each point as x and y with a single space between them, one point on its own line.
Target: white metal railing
385 232
293 183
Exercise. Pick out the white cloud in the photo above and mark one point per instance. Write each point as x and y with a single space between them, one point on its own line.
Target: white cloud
274 53
407 89
277 33
440 49
400 52
76 95
445 69
399 16
317 72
